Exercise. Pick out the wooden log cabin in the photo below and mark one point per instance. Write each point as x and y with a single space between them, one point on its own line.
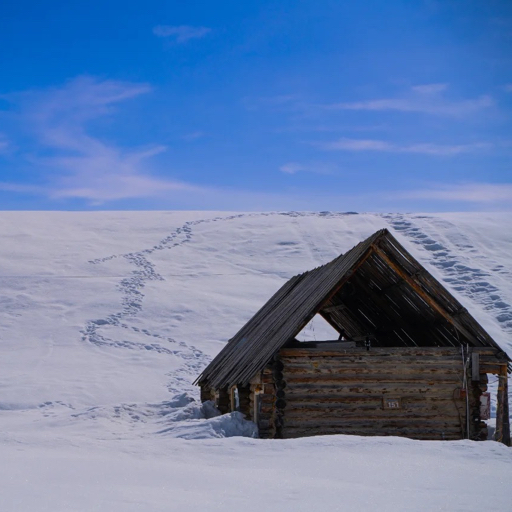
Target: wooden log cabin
410 359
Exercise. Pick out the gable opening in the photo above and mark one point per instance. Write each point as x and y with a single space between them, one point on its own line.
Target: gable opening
317 330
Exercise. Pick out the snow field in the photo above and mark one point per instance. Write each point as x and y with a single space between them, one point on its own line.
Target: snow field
107 318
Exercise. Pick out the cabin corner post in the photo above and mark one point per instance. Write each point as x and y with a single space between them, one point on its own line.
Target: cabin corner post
477 385
506 417
206 393
266 405
261 403
506 411
482 388
223 400
244 400
502 433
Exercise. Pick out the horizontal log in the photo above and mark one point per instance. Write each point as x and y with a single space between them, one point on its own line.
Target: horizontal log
424 355
373 424
417 408
488 351
293 380
371 405
397 367
327 386
345 395
441 424
373 361
368 364
374 352
370 401
362 400
443 414
376 357
495 369
356 377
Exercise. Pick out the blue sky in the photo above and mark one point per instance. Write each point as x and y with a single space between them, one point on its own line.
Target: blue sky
304 104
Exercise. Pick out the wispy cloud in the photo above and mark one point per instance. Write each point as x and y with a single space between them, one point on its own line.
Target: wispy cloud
425 99
22 188
292 168
181 33
429 88
465 192
507 87
345 144
72 161
313 167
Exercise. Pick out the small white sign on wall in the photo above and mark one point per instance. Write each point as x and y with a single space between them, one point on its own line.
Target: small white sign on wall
391 403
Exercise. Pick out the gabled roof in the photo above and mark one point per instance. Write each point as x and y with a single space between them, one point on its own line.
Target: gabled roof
377 288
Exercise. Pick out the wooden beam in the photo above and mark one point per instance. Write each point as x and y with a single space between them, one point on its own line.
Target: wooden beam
425 296
223 400
502 434
475 366
334 308
506 413
345 279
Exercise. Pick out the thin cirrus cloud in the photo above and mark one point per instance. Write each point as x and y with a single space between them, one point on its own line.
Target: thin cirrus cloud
361 145
292 168
72 163
424 99
181 33
313 167
430 88
499 194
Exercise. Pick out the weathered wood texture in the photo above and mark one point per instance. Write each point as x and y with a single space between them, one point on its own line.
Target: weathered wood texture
262 399
345 392
223 400
502 433
207 394
244 399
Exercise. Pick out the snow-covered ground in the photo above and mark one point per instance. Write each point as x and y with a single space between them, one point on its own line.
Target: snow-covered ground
107 318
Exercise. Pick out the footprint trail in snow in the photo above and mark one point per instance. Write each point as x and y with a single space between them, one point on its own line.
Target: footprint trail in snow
475 283
131 288
194 360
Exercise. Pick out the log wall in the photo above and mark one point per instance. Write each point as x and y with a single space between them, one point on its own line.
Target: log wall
316 391
262 405
348 392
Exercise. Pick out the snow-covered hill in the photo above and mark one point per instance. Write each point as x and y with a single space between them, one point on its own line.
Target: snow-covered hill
107 318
